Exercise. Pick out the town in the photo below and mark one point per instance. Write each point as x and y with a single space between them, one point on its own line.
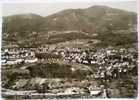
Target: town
69 50
99 67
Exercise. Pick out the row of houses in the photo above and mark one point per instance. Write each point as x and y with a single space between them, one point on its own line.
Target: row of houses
13 56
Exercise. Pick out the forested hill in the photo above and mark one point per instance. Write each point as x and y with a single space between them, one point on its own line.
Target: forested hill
101 20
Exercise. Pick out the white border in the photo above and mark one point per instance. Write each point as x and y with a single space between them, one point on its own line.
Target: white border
52 1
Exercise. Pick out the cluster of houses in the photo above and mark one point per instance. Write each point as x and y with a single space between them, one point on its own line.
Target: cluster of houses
111 62
13 56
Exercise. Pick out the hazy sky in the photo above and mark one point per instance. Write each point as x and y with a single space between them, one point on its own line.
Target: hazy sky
45 9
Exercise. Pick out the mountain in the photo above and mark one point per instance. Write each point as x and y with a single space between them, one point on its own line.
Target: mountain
91 19
22 23
97 19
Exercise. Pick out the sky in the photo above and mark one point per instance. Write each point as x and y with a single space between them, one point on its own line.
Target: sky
45 9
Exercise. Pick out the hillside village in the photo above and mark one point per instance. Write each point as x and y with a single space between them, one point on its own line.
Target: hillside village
70 60
106 64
